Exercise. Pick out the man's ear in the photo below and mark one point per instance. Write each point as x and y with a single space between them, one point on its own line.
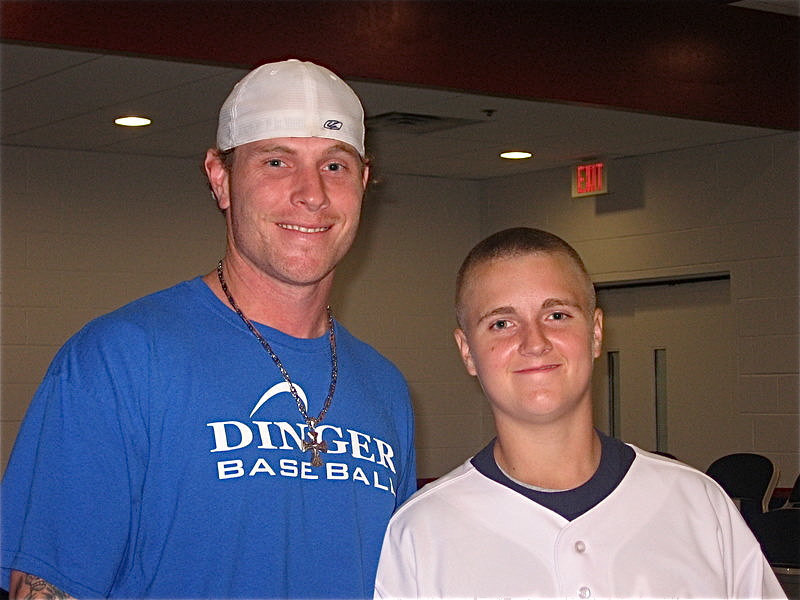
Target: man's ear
218 178
463 348
365 177
597 333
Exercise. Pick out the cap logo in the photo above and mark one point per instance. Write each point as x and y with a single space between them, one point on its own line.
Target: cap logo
333 124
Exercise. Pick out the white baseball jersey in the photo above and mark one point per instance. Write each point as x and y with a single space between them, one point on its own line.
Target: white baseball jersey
666 531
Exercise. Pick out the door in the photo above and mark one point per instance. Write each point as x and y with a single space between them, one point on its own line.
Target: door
666 377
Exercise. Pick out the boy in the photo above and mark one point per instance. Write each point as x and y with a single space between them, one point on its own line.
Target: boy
552 507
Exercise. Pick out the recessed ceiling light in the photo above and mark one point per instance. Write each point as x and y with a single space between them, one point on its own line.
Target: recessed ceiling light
132 121
516 155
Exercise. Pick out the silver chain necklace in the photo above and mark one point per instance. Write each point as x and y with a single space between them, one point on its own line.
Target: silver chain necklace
311 443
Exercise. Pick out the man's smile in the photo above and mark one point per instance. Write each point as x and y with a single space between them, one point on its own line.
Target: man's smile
302 229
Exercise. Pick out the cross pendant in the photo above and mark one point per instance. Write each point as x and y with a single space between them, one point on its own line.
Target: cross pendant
315 447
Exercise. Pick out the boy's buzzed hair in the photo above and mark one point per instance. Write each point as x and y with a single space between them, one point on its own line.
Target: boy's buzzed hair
515 242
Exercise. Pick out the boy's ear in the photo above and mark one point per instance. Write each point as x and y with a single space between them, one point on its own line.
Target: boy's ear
463 348
597 333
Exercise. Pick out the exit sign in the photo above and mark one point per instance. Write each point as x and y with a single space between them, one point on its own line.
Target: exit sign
589 179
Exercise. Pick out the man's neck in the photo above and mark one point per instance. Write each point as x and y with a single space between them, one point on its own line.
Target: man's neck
299 311
548 457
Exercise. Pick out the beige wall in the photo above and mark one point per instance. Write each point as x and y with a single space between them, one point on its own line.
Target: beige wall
83 233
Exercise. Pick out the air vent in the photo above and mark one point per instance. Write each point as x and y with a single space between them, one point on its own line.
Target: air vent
412 123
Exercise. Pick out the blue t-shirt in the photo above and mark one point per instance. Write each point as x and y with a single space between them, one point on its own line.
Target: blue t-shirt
161 458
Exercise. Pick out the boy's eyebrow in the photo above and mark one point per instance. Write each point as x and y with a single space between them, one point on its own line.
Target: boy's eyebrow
551 302
510 310
500 310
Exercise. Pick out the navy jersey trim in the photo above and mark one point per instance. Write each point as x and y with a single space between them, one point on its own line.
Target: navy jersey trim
615 461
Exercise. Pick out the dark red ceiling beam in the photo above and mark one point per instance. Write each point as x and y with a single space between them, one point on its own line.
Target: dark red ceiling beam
697 59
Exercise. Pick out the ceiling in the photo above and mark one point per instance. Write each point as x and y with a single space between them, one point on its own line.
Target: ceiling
56 98
785 7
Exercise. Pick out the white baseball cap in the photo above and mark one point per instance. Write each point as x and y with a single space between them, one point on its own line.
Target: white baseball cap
291 98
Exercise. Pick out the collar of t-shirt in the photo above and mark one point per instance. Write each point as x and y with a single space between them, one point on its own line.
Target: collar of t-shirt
615 460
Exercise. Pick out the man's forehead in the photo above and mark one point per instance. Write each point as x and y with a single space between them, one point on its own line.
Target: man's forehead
299 144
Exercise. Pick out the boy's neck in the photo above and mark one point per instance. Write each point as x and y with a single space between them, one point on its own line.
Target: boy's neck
553 460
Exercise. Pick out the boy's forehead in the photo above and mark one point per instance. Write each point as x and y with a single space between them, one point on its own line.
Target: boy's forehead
528 262
547 267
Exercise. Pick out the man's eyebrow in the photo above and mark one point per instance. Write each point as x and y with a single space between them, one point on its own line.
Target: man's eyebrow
269 149
332 150
342 147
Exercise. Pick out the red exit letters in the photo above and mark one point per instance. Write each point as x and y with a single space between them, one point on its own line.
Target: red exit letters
589 179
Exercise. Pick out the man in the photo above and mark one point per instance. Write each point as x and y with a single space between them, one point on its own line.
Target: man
552 507
225 437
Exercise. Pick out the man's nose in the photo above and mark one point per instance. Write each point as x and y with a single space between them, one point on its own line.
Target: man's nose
309 189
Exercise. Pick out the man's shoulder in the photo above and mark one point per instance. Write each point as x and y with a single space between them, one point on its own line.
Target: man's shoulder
174 298
177 298
140 319
363 353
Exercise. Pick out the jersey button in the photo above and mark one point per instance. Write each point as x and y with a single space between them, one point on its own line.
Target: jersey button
580 547
584 593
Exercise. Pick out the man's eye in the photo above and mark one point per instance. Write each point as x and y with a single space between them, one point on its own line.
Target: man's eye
559 316
275 162
335 167
501 324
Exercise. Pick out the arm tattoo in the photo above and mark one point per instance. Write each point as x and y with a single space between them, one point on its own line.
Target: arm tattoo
32 587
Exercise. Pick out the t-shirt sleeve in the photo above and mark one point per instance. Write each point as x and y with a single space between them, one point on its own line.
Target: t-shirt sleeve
69 495
408 477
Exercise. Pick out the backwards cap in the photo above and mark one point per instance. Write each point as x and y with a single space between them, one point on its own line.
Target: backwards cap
291 99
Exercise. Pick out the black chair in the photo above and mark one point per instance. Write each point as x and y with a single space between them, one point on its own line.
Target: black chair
778 532
749 479
794 496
